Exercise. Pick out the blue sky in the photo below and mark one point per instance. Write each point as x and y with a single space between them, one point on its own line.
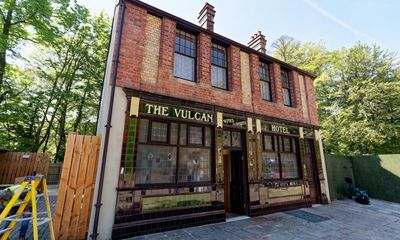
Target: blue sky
337 23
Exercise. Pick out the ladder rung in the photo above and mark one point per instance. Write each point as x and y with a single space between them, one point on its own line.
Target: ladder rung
19 203
5 230
40 195
8 219
45 220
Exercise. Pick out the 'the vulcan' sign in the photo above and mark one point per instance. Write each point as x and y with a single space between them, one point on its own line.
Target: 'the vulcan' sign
177 113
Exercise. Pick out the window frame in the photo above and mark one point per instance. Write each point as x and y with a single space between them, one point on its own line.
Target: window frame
225 48
231 130
288 87
185 55
176 182
279 138
264 80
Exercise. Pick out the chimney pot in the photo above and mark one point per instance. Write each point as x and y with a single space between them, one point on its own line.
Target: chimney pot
258 42
206 17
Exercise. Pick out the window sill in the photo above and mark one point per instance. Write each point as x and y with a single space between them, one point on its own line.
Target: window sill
184 80
221 89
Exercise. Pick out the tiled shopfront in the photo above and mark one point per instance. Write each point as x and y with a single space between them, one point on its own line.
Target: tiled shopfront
186 164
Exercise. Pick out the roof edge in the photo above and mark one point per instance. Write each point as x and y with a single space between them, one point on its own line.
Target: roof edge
189 24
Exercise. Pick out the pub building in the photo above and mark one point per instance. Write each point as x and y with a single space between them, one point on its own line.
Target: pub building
203 128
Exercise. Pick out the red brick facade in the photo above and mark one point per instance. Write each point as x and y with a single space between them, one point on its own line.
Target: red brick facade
130 66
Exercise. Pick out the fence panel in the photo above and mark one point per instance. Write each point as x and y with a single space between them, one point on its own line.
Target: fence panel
20 164
76 187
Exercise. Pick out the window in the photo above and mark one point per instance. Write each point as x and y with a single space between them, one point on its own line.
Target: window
265 81
286 88
155 164
194 165
232 139
173 152
218 67
159 132
279 157
185 55
195 135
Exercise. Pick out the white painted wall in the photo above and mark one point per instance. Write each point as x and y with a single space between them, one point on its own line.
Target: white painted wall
107 211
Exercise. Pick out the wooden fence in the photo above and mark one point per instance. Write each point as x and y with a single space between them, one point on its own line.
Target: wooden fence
75 193
54 173
20 164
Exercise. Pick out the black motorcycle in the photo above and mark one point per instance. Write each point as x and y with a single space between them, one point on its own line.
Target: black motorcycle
355 193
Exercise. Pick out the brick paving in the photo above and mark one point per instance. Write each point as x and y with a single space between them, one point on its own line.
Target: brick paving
344 219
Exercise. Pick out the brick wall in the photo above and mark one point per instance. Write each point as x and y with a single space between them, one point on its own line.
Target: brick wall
147 59
151 49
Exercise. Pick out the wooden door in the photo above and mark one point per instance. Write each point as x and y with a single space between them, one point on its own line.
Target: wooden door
312 171
236 184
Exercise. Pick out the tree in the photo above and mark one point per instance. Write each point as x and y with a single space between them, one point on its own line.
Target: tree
359 101
21 20
61 84
308 56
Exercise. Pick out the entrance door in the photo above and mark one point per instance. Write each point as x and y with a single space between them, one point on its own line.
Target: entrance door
315 195
236 183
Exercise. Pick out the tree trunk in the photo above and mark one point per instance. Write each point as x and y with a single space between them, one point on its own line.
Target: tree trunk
3 51
80 111
60 150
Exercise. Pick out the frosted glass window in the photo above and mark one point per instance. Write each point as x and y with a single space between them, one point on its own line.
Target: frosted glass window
194 165
159 132
155 164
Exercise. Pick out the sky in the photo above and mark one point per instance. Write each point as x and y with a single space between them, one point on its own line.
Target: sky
338 23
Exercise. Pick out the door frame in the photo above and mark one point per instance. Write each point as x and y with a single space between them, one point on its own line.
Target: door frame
314 169
244 167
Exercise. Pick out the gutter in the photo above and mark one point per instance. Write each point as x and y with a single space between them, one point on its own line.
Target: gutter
108 125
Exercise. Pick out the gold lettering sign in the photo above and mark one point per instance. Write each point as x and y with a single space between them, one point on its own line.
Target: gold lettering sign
177 113
279 129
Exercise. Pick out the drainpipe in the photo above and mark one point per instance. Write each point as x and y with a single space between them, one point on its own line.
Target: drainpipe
108 126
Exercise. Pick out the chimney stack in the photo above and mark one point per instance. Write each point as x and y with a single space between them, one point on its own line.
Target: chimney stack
206 17
258 42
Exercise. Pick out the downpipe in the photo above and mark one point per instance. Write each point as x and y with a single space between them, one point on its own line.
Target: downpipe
108 126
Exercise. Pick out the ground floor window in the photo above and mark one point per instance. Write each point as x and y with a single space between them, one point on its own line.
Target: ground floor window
171 152
279 157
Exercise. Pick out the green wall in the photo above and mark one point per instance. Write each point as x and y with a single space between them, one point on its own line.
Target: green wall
338 167
378 175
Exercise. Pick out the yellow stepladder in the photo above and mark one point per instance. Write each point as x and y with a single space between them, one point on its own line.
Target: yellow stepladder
30 196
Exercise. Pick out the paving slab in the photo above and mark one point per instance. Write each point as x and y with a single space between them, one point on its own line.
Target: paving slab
343 219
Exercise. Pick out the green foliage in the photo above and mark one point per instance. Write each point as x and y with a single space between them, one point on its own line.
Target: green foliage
358 94
56 90
309 56
359 99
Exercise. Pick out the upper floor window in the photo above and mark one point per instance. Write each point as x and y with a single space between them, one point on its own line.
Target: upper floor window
265 81
185 55
218 67
286 88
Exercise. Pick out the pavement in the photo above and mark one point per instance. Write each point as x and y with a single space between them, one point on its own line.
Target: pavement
343 219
